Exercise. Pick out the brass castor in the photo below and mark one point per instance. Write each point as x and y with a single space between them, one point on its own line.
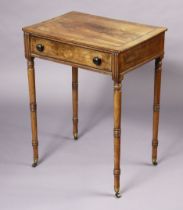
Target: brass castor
75 136
35 163
118 195
154 162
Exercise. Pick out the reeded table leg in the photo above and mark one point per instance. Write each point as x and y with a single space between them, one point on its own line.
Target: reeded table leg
75 101
32 95
156 108
117 134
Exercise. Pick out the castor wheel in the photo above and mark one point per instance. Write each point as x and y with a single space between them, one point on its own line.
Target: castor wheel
154 162
75 136
34 163
118 195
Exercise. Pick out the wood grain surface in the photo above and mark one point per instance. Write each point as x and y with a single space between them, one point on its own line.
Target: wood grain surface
70 53
109 46
91 30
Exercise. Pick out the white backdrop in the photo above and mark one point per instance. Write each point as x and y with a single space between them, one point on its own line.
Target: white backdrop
79 174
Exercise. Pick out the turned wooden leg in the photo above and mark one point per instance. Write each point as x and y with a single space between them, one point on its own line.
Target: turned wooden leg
75 101
117 134
156 108
32 95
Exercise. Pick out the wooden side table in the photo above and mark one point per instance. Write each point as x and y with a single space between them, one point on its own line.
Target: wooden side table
102 45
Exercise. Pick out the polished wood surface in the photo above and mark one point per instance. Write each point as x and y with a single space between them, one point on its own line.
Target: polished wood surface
103 45
69 53
156 107
76 38
94 31
139 54
117 135
75 101
33 108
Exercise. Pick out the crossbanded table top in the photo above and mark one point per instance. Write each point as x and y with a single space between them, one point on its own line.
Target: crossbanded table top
95 31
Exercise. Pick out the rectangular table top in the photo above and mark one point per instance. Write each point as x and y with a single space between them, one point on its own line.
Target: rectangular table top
94 31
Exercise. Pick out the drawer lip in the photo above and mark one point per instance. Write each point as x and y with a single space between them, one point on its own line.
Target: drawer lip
108 65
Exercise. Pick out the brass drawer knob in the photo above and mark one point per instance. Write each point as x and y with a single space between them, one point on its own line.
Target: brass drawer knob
40 47
97 61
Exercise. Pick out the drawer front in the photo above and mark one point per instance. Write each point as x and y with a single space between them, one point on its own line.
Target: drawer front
71 53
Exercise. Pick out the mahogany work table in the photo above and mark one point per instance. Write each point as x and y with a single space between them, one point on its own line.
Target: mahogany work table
103 45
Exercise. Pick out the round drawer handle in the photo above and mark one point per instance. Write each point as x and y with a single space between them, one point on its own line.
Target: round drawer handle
97 61
40 47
